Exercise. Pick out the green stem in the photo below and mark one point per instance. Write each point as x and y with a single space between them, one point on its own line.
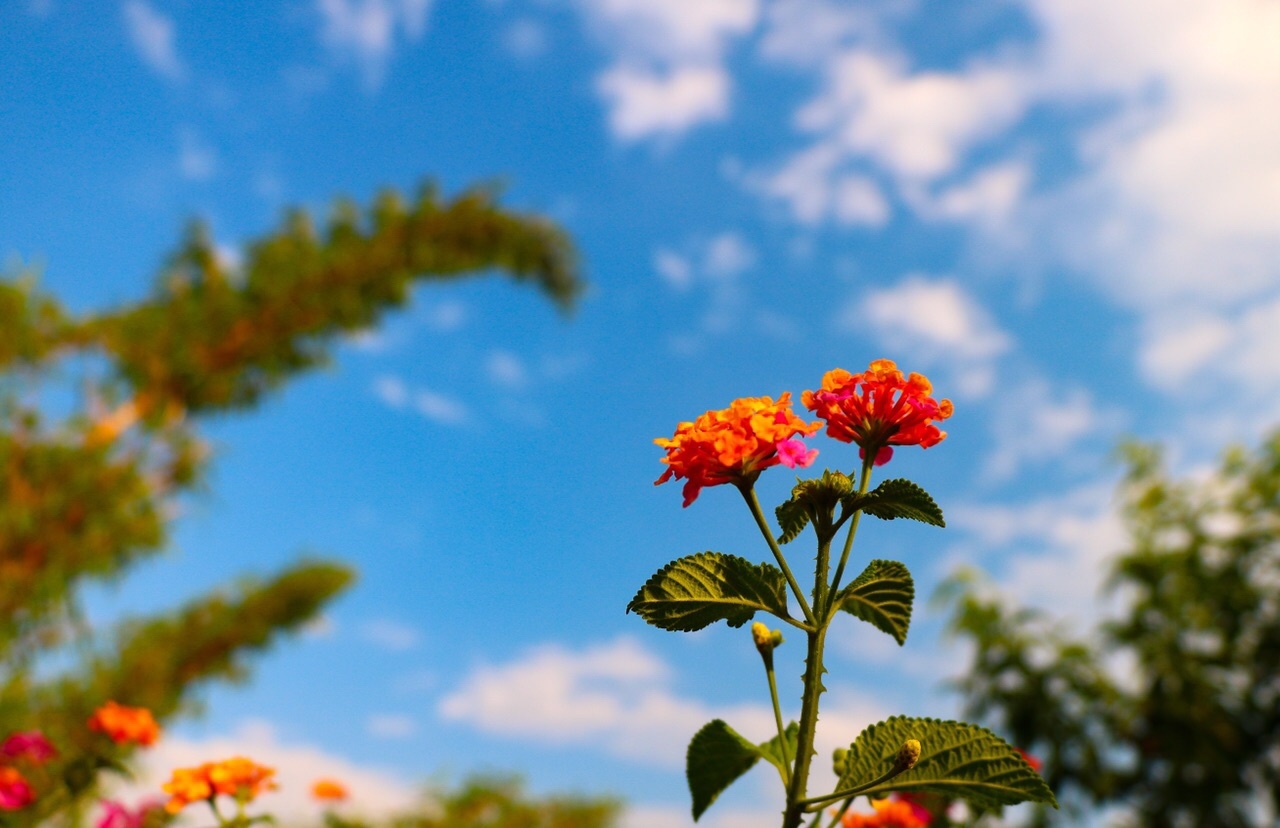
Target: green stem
753 503
850 793
813 688
844 806
863 485
777 717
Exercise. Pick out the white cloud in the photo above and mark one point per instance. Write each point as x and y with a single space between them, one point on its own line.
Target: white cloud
1057 548
440 408
713 267
197 159
728 255
1167 200
525 39
618 697
646 102
667 73
671 816
506 369
152 34
936 323
391 726
674 269
445 317
1034 422
392 391
373 791
368 31
390 635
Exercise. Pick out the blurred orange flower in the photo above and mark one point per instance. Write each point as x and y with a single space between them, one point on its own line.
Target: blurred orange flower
15 791
890 813
735 444
329 790
125 725
239 777
878 409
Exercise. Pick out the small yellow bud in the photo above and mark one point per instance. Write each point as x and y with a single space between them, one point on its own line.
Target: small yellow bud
838 758
908 755
765 639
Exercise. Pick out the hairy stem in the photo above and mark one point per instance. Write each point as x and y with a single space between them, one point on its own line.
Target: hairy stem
777 717
753 503
813 688
863 484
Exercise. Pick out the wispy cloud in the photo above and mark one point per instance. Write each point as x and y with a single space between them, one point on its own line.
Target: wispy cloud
936 323
197 159
369 31
617 697
391 726
1166 204
1055 548
433 405
153 36
390 635
667 74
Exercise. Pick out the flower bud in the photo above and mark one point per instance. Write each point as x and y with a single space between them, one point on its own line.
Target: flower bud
908 755
838 758
765 639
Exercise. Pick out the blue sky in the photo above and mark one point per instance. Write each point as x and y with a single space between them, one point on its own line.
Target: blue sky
1065 212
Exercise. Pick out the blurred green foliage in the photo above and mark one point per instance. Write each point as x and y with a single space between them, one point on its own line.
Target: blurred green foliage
1169 712
99 441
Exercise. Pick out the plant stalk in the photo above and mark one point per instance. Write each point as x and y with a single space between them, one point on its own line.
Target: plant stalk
813 670
863 484
753 503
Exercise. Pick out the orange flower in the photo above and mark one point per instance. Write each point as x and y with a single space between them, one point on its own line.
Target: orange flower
16 792
329 790
735 444
890 813
125 725
239 777
878 409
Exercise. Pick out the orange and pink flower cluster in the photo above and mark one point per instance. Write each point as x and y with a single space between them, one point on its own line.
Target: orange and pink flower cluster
899 812
237 777
876 409
123 725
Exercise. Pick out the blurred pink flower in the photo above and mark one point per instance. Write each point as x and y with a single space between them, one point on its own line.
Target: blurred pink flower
118 815
29 744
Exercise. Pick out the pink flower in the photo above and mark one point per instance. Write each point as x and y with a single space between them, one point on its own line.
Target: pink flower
15 791
118 815
792 453
29 744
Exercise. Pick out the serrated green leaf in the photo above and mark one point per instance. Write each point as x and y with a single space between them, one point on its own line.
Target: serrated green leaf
717 756
769 751
899 498
696 591
792 518
957 760
882 597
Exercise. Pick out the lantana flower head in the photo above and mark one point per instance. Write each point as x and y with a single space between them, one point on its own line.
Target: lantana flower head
239 777
31 745
329 790
16 792
890 813
125 725
735 444
878 409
